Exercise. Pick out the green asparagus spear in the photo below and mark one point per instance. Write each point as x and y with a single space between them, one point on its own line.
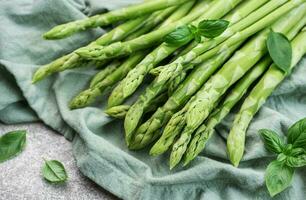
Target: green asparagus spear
135 113
148 7
104 73
205 131
148 131
153 22
135 77
273 77
198 108
88 96
146 41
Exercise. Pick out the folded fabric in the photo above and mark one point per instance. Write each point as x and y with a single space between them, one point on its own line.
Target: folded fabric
98 141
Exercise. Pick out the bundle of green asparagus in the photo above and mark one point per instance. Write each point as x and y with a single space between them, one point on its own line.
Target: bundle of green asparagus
196 60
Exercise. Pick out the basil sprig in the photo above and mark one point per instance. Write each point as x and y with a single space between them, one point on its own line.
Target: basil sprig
54 171
280 50
291 155
207 28
11 144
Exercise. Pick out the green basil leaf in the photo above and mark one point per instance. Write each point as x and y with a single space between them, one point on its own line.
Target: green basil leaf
54 171
272 140
280 50
195 32
198 38
288 149
193 29
212 28
297 152
281 157
299 161
11 144
180 36
297 134
278 177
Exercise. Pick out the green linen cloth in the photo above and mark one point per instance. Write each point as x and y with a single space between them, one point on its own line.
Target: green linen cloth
98 141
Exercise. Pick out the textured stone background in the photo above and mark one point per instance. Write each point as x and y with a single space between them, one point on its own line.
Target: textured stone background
20 178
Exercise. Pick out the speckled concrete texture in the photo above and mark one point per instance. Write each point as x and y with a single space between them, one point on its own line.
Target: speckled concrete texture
21 179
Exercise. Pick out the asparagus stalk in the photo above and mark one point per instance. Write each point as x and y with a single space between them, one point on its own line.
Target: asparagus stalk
146 41
70 28
88 96
205 131
148 131
152 22
135 77
257 97
104 73
198 108
135 113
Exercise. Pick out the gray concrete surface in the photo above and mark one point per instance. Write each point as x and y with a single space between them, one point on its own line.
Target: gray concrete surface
21 179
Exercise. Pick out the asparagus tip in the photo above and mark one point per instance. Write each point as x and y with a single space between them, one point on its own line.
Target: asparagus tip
90 52
173 163
155 151
59 32
83 52
39 75
187 160
235 163
117 111
234 158
47 36
79 101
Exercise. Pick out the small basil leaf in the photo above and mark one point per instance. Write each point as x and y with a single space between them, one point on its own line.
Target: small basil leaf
280 50
212 28
272 140
297 152
281 157
288 149
180 36
198 38
11 144
193 29
297 134
278 177
299 161
54 171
